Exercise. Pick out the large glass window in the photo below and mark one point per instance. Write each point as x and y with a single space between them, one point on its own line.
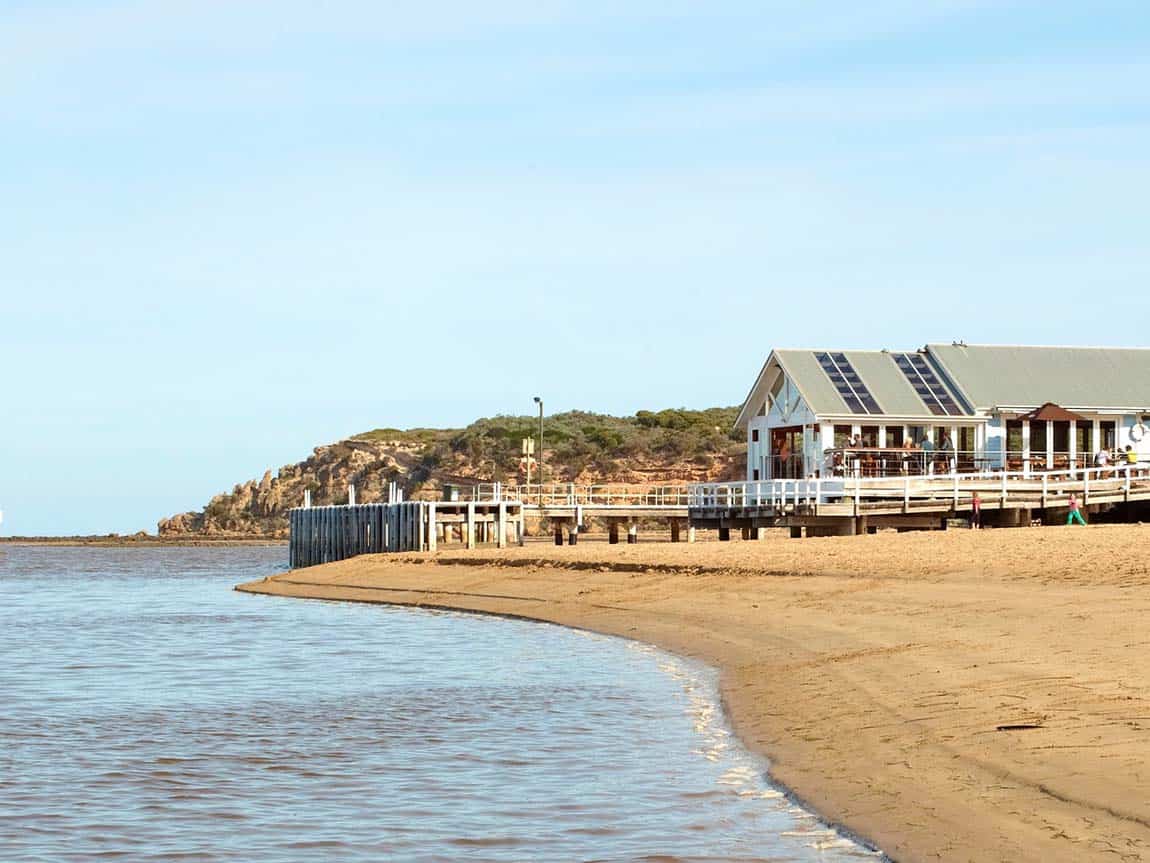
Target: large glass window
1109 434
1082 438
1037 440
1014 436
1038 437
894 436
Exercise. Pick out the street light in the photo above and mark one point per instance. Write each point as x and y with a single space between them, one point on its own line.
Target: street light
539 460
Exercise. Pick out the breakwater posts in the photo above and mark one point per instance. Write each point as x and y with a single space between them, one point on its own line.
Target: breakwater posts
323 534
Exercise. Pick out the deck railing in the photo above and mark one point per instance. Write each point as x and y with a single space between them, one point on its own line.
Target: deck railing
1039 488
667 496
902 461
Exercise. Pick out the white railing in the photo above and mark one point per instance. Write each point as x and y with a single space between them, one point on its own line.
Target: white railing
1040 488
573 494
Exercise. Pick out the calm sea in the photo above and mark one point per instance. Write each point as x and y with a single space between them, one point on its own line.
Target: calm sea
149 712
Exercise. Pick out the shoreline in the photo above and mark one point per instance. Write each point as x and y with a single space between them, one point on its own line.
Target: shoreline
760 759
130 542
939 697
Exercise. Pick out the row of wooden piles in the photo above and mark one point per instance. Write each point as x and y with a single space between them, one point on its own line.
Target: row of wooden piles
323 534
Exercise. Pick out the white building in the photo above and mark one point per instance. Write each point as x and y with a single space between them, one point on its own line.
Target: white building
1002 406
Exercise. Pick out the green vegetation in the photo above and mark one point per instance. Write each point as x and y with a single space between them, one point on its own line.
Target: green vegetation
574 441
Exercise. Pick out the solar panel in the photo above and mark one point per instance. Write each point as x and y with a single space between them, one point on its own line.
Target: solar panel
927 385
848 384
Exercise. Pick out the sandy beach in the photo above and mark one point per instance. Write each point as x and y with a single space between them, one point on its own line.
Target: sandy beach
958 696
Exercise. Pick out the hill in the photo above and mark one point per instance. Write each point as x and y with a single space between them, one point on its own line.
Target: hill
651 447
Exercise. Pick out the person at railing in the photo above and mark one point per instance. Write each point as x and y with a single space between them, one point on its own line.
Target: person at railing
950 452
927 448
1102 461
837 467
908 459
1131 456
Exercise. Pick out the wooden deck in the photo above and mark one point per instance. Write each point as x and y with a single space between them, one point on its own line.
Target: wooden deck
910 500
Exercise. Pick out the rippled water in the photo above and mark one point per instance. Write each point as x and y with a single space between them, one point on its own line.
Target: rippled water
149 712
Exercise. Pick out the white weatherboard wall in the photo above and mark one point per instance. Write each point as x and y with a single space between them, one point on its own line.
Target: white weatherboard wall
788 409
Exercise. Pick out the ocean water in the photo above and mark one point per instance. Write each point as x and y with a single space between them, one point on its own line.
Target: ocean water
149 712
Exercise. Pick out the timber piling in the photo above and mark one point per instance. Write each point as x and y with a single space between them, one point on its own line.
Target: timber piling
323 534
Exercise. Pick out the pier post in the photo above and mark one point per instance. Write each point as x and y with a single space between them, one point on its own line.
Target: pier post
633 533
724 534
501 524
293 533
471 525
558 525
690 533
613 531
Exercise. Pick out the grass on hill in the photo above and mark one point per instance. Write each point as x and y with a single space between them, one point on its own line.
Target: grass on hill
575 440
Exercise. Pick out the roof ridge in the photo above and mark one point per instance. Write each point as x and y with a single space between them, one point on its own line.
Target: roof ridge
1043 347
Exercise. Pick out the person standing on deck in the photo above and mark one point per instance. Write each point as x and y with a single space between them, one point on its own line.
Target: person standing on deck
1102 461
975 512
950 452
927 455
1075 514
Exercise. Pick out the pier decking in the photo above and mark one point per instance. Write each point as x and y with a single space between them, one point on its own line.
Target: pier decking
856 504
495 514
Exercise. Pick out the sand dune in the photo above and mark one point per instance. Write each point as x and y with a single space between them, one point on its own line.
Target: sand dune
959 696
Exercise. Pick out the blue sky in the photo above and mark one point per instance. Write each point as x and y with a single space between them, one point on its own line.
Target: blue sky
235 230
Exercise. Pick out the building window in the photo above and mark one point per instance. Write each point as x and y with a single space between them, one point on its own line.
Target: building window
894 436
1014 438
754 435
1107 431
1038 437
842 436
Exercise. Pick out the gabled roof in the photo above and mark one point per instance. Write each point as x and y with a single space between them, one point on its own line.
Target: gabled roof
878 371
1023 376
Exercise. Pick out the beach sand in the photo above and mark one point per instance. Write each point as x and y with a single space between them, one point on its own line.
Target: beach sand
959 696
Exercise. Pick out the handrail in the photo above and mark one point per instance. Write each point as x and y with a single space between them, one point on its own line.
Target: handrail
665 495
955 486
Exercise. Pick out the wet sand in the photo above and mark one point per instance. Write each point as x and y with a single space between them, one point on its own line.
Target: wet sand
959 696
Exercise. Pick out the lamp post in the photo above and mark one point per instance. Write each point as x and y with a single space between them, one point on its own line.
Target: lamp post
539 460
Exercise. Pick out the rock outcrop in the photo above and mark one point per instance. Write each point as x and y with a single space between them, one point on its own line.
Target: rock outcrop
672 446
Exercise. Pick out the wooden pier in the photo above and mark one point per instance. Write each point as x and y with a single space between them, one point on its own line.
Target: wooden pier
322 534
568 506
850 505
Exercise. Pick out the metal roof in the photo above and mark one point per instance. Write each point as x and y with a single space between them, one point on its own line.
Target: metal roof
877 369
1022 376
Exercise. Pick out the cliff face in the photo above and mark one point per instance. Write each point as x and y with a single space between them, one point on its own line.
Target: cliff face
649 448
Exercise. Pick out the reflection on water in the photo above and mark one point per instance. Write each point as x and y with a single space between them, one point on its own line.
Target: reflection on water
151 713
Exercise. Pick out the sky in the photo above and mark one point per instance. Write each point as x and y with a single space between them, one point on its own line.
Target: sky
233 231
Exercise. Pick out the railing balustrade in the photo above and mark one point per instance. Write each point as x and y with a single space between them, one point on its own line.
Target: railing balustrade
957 487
